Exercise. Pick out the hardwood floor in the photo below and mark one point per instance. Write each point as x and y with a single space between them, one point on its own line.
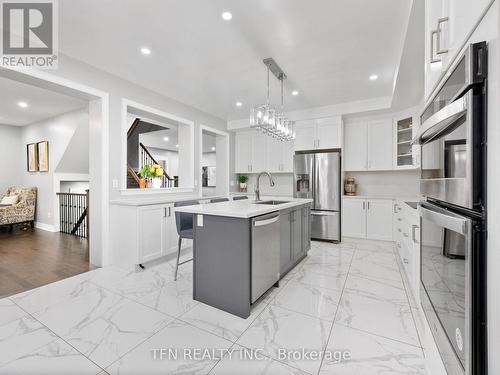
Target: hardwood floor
33 257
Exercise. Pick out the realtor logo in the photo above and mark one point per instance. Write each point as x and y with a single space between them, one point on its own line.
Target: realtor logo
29 34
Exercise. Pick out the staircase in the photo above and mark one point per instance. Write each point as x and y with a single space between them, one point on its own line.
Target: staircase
145 158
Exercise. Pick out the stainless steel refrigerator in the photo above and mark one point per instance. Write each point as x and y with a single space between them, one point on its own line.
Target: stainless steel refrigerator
317 176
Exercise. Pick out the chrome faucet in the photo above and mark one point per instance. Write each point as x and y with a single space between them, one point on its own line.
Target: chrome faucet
257 189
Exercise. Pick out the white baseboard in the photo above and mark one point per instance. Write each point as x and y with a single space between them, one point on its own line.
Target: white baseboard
46 227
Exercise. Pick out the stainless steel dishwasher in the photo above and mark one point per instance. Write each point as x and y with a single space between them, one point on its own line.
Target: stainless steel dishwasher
265 253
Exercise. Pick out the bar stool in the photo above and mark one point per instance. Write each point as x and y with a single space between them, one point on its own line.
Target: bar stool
216 200
240 197
184 224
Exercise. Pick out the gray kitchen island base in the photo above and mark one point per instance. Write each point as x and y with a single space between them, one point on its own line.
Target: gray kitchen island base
222 257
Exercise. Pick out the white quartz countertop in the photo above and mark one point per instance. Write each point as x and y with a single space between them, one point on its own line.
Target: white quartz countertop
241 209
400 198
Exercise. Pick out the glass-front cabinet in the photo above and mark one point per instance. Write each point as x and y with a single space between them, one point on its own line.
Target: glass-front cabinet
406 156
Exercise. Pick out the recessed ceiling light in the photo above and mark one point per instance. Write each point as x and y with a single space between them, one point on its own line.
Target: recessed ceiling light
373 77
226 16
295 93
213 148
145 51
177 146
165 139
239 104
22 104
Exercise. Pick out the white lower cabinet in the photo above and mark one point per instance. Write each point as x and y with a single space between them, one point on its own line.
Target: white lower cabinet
367 218
142 233
157 232
407 237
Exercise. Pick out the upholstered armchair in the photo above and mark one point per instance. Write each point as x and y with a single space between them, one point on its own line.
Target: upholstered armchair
21 212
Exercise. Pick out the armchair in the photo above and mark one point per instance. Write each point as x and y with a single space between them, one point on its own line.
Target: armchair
21 212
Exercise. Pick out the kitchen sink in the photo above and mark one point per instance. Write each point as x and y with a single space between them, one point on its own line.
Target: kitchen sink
272 203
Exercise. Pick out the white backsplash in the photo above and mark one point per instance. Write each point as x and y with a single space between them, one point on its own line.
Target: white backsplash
283 184
387 183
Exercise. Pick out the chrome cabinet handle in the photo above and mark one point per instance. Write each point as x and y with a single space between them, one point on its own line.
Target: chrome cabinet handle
363 205
405 260
368 204
395 208
405 234
440 51
434 33
413 235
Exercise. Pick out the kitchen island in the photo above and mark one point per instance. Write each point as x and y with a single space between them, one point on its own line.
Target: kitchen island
243 248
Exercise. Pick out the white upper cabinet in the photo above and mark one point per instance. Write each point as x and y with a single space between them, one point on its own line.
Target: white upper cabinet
259 154
305 135
243 152
355 147
322 133
380 145
256 152
329 133
448 23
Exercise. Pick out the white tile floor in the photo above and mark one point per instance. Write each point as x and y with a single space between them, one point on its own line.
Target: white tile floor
346 298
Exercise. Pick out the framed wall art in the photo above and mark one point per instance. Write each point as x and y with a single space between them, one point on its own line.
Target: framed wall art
43 156
32 157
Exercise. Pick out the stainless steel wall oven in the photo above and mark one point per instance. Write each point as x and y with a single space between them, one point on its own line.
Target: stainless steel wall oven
453 213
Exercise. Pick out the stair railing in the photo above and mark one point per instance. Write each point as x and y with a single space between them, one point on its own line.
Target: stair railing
74 215
147 159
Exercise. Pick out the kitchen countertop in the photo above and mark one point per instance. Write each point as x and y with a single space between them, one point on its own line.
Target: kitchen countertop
241 209
400 198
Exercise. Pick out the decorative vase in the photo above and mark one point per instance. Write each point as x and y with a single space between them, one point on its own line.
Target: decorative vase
156 183
142 183
243 187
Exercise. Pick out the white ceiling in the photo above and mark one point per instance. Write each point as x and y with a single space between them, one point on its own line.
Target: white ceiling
42 104
328 48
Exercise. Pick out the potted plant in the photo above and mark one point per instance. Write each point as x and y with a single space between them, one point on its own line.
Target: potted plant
144 176
157 172
243 183
152 174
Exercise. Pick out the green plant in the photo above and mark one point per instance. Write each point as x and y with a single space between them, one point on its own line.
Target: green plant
146 172
242 179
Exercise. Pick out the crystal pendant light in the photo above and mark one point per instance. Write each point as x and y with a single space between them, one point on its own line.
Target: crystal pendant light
266 119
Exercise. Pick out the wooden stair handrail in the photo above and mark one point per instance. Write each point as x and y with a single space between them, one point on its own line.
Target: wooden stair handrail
133 127
154 161
131 172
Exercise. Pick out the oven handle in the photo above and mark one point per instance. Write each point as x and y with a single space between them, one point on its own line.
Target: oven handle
443 218
441 120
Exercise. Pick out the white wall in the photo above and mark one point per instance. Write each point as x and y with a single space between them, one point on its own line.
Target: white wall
74 186
209 159
283 184
171 158
387 183
11 160
58 131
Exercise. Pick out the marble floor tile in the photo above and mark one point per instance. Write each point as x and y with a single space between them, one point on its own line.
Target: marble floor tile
370 354
105 276
103 325
41 298
181 338
138 285
278 329
21 337
321 276
173 298
382 318
308 299
243 361
375 257
378 246
375 269
341 261
220 323
377 289
9 311
55 358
